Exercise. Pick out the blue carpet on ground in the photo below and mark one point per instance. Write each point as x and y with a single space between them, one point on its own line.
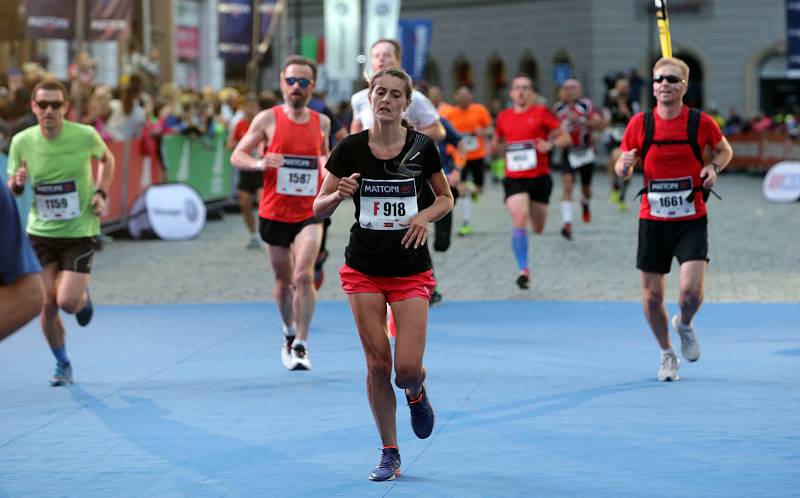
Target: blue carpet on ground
532 399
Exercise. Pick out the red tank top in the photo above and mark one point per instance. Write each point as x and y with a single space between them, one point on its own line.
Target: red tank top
289 191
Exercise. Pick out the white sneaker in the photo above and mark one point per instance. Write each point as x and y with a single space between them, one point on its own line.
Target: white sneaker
669 367
690 348
253 243
286 351
299 359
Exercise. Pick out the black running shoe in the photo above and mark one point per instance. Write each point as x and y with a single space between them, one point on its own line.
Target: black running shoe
523 279
389 466
422 416
566 231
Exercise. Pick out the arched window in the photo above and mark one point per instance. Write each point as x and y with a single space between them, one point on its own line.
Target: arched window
778 94
496 78
529 67
431 73
462 72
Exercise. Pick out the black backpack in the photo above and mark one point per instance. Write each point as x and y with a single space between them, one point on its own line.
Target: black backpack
692 127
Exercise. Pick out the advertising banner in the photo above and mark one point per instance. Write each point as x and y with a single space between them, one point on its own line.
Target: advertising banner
203 163
415 35
793 37
342 36
106 20
380 21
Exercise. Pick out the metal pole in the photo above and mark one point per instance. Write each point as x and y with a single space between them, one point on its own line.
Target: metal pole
147 29
298 24
80 42
255 35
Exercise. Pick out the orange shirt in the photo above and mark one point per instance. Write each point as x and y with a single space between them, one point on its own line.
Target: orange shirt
467 122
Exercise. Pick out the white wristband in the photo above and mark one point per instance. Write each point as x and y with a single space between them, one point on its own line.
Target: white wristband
260 165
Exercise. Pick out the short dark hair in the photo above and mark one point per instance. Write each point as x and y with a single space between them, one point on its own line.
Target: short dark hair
49 84
398 49
302 61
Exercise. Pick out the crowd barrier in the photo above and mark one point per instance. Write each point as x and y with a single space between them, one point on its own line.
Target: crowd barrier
760 151
203 163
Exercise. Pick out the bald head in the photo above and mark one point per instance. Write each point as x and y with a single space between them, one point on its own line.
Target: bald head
571 90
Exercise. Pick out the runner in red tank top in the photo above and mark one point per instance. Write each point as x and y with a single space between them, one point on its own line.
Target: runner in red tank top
296 139
672 220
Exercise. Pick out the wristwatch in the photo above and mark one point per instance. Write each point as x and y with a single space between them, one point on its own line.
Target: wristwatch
102 193
714 165
260 165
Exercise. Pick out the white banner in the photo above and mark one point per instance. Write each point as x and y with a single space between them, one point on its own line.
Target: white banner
342 33
380 21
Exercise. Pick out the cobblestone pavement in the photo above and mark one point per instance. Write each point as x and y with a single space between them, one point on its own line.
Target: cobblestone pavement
753 251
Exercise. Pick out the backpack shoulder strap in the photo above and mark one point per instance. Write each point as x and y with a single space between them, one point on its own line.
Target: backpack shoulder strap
692 127
649 132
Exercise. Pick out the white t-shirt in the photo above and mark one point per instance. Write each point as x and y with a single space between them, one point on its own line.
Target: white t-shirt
420 113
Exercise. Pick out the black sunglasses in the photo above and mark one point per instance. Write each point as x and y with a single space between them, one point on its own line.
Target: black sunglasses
669 78
44 104
303 82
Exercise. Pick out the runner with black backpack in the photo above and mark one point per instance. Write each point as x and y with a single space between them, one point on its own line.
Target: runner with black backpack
670 142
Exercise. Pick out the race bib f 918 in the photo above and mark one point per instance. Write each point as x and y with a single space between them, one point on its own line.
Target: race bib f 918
298 175
671 198
57 201
387 203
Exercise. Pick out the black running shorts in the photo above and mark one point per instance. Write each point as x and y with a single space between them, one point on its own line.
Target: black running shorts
70 254
660 241
475 168
278 233
538 188
250 181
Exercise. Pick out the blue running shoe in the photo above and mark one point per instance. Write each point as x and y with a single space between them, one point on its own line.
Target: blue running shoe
422 416
62 376
389 466
84 316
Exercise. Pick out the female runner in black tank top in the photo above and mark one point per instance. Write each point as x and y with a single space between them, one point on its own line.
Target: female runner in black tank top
387 259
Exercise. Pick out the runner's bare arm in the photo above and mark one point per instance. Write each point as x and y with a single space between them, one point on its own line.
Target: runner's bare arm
105 174
259 131
435 130
417 233
625 163
723 153
325 124
333 191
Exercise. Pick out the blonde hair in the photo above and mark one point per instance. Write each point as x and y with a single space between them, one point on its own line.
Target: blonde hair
675 62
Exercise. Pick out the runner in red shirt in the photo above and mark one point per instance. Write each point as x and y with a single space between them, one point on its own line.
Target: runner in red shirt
527 132
297 145
250 182
672 217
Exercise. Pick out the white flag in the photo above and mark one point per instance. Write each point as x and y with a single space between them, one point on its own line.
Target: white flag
342 33
380 21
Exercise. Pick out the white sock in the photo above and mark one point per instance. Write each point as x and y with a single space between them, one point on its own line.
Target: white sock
466 207
681 325
668 351
289 331
566 211
298 342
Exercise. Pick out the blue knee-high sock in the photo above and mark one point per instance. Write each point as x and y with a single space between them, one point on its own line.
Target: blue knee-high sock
61 355
519 241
